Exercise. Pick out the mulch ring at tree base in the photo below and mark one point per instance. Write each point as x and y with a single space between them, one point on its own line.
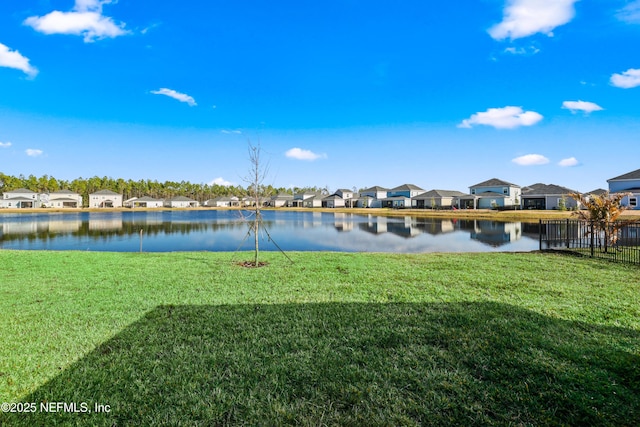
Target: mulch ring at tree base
251 264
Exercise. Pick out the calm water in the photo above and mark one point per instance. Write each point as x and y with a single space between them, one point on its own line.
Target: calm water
166 231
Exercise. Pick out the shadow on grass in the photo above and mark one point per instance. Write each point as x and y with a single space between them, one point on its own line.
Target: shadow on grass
351 364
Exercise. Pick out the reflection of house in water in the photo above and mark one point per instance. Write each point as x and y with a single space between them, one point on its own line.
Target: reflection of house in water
404 228
433 226
309 220
495 233
105 223
343 222
64 226
375 225
54 225
24 227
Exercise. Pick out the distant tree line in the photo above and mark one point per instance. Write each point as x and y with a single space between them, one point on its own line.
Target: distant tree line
130 188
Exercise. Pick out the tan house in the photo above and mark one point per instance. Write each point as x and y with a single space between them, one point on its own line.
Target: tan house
64 199
144 202
105 199
180 202
436 199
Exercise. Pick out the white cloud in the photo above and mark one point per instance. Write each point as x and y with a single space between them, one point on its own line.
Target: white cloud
584 106
175 95
523 18
630 13
85 20
531 160
5 144
626 80
530 50
32 152
221 181
571 161
229 132
13 59
300 154
502 118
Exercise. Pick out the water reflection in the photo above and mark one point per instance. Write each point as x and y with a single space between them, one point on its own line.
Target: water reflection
227 231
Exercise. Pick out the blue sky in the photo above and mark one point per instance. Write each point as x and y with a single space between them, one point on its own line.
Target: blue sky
338 93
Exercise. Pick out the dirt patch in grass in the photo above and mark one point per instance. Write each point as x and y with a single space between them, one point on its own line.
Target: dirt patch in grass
251 264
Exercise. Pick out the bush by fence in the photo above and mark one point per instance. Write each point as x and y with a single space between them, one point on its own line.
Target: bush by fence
618 242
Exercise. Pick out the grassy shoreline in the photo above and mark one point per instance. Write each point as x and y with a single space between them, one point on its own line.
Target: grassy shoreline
480 214
343 339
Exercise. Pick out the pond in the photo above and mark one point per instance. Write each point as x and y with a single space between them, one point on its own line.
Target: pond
227 230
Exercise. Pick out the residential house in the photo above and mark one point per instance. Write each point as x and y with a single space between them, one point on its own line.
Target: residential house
281 200
313 202
333 201
491 194
406 190
347 196
20 198
396 202
436 199
105 199
360 201
400 197
223 202
64 199
300 198
145 202
597 192
180 202
548 196
376 195
627 183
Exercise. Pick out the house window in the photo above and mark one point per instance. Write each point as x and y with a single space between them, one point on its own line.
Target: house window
473 191
633 202
505 190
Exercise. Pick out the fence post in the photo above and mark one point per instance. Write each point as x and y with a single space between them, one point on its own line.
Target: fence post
567 234
540 233
592 241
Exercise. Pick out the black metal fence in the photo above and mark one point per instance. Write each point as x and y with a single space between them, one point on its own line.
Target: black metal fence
617 242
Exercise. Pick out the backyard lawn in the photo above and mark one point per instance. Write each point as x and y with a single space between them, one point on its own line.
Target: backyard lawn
89 338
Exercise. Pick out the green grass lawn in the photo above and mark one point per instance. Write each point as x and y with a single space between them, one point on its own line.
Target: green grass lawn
332 339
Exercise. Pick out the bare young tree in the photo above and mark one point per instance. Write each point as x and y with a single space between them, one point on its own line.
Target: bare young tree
257 193
255 179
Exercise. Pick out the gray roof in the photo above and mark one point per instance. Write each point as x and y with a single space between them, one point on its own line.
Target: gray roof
344 190
181 199
540 189
598 192
397 198
20 190
375 188
64 199
63 192
106 192
282 196
494 182
439 193
19 199
630 175
333 197
490 194
405 187
146 199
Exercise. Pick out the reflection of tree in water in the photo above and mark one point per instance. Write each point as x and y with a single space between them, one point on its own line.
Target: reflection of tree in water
46 230
127 228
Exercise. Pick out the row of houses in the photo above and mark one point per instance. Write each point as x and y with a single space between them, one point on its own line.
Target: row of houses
491 194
